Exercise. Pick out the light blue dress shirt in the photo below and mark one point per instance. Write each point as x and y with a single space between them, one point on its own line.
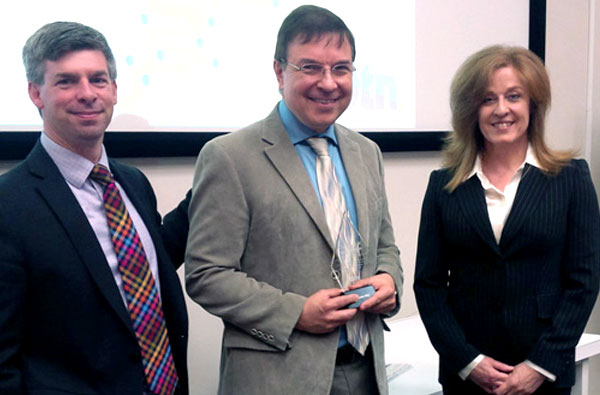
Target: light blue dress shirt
298 133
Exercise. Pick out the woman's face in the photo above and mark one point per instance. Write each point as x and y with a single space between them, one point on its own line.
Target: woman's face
504 112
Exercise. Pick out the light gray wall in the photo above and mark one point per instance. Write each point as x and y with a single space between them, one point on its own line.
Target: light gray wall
573 62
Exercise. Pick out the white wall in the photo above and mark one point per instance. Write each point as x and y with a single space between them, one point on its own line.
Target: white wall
573 61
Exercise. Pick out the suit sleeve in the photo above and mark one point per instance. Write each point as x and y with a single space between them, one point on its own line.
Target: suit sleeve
219 228
430 285
388 256
580 274
13 288
174 230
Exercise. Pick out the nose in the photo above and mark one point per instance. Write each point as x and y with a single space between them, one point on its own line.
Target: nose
326 81
86 92
502 107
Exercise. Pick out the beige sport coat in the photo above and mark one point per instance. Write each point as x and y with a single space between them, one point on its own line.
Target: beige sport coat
259 245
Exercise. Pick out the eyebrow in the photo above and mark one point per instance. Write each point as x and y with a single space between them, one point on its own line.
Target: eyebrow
309 60
99 73
510 88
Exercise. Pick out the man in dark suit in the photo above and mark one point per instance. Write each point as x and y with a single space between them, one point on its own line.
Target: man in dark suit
70 321
260 248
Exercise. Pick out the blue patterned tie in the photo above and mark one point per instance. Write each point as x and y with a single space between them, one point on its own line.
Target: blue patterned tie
341 230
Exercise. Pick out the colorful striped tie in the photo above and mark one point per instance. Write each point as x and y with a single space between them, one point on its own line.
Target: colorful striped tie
141 293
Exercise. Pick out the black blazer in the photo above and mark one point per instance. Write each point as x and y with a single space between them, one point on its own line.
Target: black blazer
64 328
528 297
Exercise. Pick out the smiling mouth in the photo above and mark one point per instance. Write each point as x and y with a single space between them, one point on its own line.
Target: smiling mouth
502 125
324 101
86 114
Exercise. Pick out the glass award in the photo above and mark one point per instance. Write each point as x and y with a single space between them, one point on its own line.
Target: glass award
347 258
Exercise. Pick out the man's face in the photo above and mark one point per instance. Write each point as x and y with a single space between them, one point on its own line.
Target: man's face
316 100
76 99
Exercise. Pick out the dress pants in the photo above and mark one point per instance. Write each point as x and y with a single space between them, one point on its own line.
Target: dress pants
354 374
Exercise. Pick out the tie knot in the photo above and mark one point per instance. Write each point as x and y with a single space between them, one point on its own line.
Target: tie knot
319 145
101 175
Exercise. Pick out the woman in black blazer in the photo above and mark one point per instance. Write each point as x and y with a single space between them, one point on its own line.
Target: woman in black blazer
509 244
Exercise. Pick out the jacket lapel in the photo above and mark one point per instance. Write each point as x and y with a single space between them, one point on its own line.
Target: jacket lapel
133 191
282 154
531 188
55 191
471 199
132 183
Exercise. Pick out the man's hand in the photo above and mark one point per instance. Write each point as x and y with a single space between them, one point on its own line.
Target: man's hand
489 374
523 380
384 299
324 311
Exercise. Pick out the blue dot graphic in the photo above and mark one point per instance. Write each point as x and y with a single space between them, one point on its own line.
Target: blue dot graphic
144 19
199 43
129 60
216 63
146 79
160 54
211 22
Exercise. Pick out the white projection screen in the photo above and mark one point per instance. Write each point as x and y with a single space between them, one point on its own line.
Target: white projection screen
189 67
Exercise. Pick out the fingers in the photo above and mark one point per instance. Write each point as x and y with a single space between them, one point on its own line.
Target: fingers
384 299
502 366
324 311
341 302
522 380
487 376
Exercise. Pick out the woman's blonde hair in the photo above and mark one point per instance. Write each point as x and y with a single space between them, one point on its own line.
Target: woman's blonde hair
467 92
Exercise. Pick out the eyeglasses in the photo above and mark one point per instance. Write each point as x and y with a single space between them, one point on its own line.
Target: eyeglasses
316 69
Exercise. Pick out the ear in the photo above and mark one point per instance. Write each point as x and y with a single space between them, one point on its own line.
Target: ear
35 95
114 84
278 73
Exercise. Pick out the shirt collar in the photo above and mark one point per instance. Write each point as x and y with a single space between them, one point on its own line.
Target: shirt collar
73 167
530 159
299 132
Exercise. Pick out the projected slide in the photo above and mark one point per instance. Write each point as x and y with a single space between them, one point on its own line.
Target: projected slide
188 65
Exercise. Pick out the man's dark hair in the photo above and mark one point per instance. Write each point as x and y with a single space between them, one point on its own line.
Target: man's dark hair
309 22
54 40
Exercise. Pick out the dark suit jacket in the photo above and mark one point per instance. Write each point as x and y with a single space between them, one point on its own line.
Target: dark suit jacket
528 297
63 325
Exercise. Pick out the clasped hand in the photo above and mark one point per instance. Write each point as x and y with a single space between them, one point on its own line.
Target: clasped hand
324 311
500 379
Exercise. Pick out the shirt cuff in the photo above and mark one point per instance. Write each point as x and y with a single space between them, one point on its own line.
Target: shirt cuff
466 371
542 371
